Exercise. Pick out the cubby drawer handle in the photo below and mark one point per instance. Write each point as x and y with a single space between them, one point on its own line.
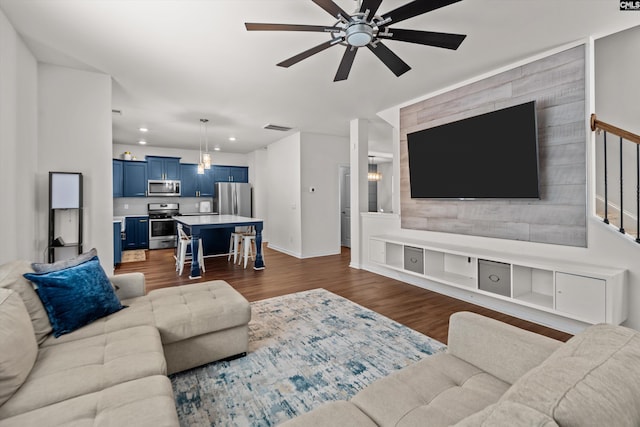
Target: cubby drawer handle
494 278
414 260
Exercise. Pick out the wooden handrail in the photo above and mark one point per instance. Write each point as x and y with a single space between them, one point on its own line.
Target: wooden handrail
600 125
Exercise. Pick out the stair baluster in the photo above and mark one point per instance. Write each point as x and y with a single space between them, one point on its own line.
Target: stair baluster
606 182
621 229
637 193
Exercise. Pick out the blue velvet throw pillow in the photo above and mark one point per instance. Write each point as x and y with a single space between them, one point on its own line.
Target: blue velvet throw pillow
75 296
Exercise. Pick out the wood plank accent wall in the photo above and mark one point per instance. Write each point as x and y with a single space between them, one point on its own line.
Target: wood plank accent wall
557 83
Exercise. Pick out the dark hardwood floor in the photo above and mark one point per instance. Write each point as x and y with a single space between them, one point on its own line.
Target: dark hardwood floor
417 308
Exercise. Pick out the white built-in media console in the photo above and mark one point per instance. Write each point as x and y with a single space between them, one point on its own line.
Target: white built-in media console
584 292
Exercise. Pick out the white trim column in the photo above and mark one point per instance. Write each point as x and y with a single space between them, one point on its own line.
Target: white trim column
359 149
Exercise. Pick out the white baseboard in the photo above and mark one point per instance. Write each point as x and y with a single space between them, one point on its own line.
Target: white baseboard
284 251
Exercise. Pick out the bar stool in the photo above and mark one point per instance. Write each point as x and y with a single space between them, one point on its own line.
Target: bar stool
184 241
248 240
236 240
234 243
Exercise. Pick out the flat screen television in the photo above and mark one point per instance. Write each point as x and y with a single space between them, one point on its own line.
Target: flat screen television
489 156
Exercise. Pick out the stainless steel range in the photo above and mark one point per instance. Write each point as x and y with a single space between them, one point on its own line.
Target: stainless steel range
162 229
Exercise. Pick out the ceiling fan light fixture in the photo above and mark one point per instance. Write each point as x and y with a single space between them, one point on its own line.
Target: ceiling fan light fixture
359 35
365 28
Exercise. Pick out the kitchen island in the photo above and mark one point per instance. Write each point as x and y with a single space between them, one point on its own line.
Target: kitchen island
195 224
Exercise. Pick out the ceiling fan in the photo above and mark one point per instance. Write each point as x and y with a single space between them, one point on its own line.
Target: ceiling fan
365 28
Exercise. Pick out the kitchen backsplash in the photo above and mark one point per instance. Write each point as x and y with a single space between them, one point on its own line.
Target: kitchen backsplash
129 206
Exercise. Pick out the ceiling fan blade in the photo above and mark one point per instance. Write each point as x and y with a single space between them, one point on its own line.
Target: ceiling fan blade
346 63
390 59
372 5
415 8
289 27
333 9
444 40
307 53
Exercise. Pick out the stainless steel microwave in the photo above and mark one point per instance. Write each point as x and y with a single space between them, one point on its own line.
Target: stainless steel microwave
163 187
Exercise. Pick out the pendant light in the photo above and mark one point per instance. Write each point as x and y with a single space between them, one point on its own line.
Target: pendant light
373 174
206 157
200 162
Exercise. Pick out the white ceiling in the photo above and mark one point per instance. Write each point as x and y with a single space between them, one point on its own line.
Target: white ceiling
176 61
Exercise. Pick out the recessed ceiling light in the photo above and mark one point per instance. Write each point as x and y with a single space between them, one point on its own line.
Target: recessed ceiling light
216 148
142 142
143 129
232 138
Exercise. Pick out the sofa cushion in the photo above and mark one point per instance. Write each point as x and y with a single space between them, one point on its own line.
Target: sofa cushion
146 402
478 340
137 313
64 263
437 391
188 311
75 368
18 344
11 277
75 296
594 379
508 414
339 413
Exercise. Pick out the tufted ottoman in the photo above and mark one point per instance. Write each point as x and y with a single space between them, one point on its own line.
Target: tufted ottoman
198 323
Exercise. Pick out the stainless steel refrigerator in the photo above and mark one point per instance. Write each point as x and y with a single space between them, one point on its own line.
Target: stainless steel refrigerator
234 198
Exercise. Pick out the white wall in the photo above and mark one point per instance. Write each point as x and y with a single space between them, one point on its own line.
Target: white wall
51 119
74 127
283 180
258 177
616 65
358 161
18 147
616 72
321 156
300 223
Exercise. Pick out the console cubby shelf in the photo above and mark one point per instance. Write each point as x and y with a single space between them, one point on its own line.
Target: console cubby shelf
584 292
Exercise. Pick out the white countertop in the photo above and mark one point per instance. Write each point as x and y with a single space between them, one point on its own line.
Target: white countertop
121 220
213 219
197 213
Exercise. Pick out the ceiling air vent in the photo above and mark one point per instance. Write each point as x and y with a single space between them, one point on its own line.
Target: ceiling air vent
276 127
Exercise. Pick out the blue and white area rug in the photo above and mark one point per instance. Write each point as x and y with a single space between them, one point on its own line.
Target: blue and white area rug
305 349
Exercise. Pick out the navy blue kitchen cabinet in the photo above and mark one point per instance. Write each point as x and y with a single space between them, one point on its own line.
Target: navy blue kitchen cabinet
230 173
189 179
137 232
134 179
206 184
118 178
194 185
159 167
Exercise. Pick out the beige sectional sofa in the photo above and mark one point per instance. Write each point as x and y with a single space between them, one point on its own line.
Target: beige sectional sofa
113 370
497 375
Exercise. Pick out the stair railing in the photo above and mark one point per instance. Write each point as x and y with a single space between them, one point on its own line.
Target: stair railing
597 125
